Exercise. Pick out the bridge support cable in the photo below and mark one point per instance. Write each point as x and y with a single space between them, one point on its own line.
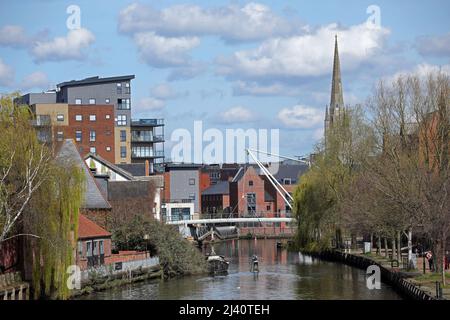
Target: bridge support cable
272 180
280 156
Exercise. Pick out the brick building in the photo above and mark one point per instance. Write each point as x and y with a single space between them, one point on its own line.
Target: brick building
92 128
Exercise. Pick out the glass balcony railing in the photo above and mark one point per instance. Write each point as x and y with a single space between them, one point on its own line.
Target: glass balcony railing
144 154
146 138
147 122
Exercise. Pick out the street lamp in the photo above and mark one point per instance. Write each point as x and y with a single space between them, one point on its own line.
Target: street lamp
146 238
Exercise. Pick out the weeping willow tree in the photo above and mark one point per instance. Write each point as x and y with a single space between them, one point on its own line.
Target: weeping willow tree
39 201
55 219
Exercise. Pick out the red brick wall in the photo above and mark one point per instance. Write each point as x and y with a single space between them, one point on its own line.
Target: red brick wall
244 188
166 195
104 129
81 261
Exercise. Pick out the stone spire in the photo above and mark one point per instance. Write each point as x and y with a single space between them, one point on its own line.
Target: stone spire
337 99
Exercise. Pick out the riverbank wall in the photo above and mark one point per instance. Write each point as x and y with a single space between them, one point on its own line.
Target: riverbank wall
396 279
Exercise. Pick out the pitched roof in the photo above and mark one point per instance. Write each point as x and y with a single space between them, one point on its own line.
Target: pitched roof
135 169
93 80
111 166
290 171
89 229
221 187
93 198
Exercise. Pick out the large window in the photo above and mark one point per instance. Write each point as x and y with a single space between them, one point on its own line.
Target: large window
251 202
123 104
123 136
121 120
78 136
142 135
92 136
123 152
142 152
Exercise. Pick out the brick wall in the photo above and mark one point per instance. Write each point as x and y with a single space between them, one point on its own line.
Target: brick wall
103 127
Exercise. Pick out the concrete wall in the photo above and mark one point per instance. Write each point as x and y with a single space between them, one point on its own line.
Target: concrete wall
180 187
127 266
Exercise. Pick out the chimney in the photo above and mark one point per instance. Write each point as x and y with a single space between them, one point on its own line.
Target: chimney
147 168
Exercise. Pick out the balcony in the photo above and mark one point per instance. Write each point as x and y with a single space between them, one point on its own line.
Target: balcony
147 122
146 155
146 138
41 121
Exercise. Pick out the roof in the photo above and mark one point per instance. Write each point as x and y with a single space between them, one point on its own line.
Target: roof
111 166
93 197
290 171
135 169
130 189
94 80
89 229
175 166
221 187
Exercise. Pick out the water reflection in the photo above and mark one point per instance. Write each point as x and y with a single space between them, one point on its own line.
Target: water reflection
283 275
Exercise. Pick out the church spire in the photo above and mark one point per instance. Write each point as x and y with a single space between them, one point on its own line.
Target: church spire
337 99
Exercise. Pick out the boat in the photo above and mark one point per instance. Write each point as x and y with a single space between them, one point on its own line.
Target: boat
217 264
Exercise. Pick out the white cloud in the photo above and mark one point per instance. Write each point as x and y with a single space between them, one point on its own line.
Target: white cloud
255 89
305 55
252 21
150 103
160 51
13 36
421 70
164 91
300 117
434 45
69 47
6 74
236 115
36 79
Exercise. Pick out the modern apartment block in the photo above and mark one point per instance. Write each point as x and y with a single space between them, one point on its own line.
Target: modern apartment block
73 105
114 91
147 143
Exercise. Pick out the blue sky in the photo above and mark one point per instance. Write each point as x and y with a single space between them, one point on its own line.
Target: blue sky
232 64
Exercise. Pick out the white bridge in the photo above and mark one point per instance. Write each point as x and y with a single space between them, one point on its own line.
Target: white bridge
228 220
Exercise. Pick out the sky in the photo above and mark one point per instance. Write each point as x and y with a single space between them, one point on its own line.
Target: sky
231 64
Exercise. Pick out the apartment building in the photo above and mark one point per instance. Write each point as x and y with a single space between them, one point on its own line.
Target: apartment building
115 91
147 143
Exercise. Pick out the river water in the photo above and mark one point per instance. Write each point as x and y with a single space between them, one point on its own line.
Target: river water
283 275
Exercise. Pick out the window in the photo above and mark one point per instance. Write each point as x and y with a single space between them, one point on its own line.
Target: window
268 207
121 120
88 248
78 117
119 88
123 136
108 116
92 117
91 101
287 180
102 250
92 136
108 149
80 249
192 196
251 202
250 183
92 150
59 117
59 136
108 132
107 100
123 104
142 152
192 182
127 87
78 101
95 248
123 152
78 136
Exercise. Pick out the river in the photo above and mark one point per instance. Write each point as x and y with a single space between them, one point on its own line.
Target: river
283 275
